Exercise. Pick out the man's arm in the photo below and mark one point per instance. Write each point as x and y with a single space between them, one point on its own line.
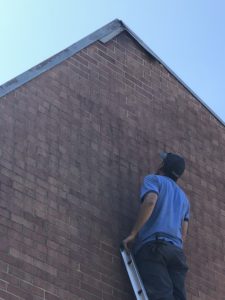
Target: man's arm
184 230
144 214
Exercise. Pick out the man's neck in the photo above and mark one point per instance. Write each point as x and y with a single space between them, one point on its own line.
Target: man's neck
160 172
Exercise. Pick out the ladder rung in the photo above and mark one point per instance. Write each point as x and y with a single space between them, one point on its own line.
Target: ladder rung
134 275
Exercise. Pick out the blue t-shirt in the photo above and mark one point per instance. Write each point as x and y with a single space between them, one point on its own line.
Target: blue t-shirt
171 209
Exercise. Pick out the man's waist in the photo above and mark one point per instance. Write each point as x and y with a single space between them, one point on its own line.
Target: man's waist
160 236
163 236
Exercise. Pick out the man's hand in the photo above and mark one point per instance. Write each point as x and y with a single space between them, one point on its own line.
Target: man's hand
127 242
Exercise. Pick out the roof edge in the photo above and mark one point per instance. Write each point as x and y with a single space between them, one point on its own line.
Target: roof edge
104 34
171 72
115 26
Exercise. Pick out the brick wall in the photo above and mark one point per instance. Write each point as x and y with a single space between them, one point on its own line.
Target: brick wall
75 145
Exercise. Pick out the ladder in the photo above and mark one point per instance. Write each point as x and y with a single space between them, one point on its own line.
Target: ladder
133 274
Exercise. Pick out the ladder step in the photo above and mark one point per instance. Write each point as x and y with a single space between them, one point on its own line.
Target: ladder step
134 275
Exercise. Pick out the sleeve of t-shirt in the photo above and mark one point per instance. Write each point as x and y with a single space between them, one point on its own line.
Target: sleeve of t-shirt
187 211
150 185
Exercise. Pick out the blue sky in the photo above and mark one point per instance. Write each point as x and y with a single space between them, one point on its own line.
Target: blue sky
188 35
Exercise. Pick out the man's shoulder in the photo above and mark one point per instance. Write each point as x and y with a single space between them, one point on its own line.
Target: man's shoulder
172 185
151 177
183 195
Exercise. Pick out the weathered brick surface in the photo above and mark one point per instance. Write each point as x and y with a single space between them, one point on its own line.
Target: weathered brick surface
75 144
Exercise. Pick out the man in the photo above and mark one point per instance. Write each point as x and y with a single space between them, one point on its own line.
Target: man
160 230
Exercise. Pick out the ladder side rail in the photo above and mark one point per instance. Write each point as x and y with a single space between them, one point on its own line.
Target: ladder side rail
134 275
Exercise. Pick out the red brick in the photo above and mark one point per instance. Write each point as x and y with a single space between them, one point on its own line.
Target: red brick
49 296
8 296
19 292
77 140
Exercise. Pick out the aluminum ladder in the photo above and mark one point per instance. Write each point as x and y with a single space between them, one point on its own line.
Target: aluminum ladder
133 274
